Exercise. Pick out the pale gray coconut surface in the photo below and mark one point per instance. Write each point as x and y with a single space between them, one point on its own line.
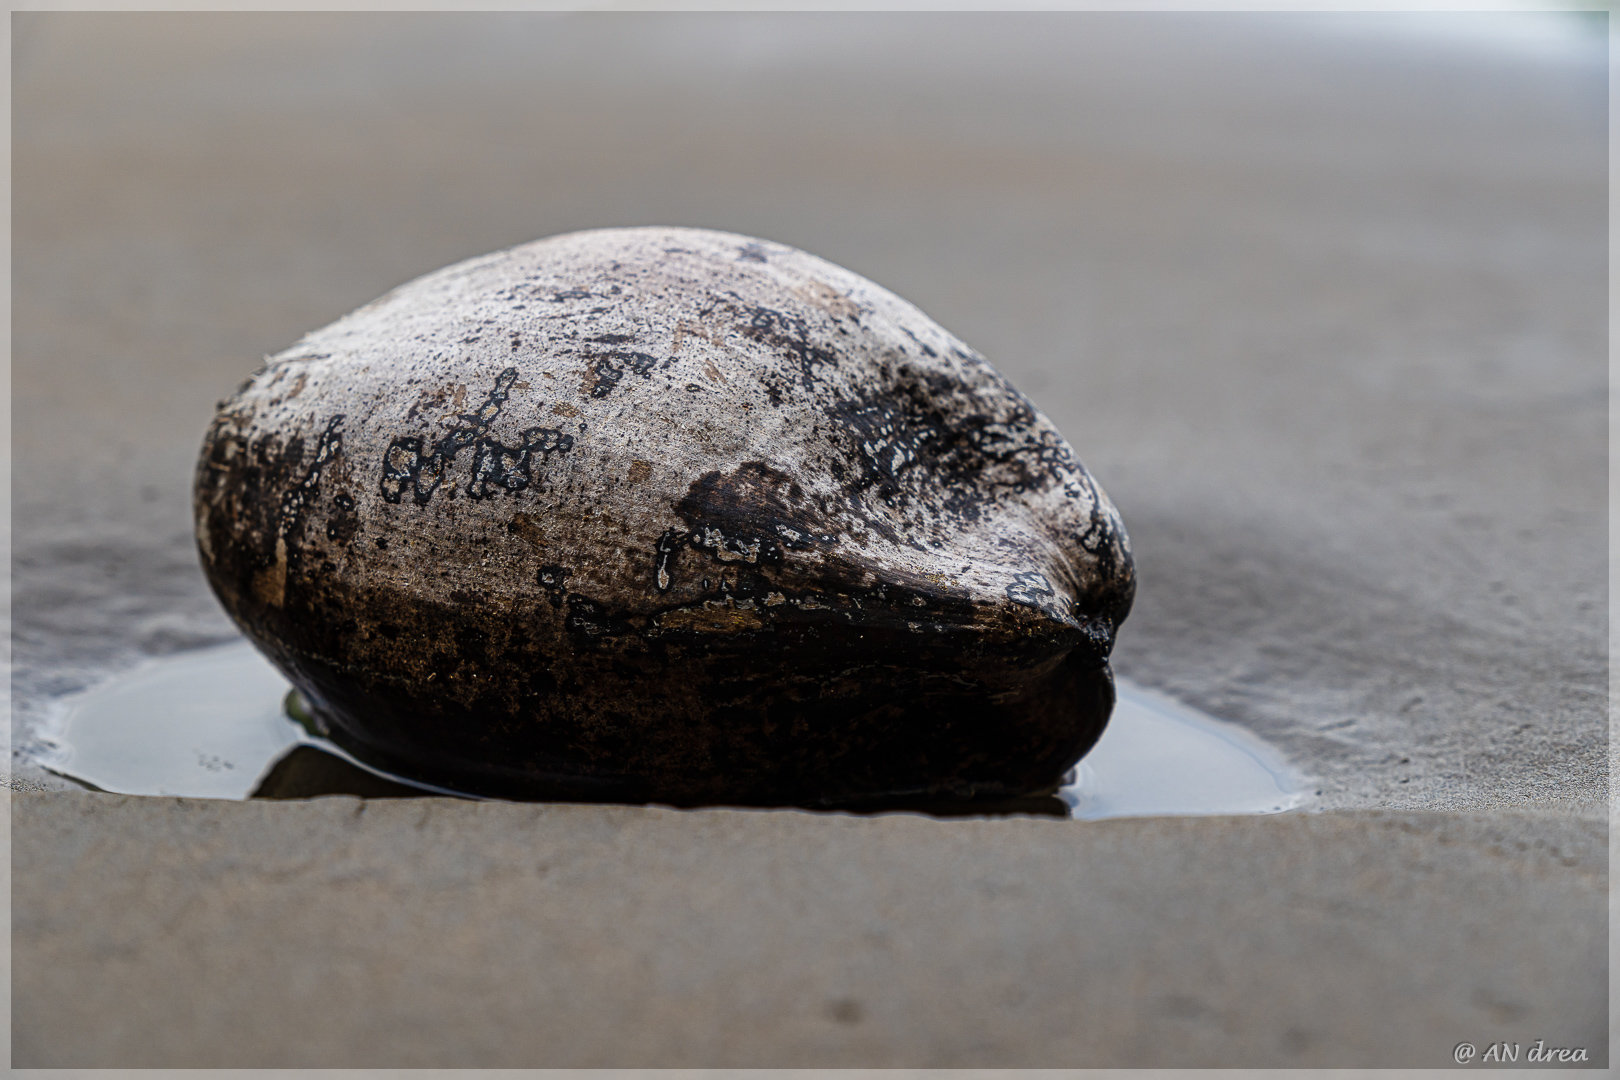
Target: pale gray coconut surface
599 374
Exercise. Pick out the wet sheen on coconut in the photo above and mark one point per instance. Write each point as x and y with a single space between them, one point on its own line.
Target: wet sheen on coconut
672 515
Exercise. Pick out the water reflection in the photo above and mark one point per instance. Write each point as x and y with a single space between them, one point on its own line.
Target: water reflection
212 724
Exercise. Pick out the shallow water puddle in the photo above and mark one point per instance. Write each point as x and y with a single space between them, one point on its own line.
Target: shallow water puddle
211 724
1158 756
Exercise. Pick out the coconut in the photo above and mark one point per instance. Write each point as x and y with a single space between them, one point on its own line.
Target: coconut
672 515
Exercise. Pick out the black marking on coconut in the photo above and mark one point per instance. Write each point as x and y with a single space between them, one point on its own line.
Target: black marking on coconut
789 334
1033 590
920 439
664 556
409 464
238 482
553 578
1114 592
587 621
497 467
748 516
928 352
297 500
404 467
606 371
343 523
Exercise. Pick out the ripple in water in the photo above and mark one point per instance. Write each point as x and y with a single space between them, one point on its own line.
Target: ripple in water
212 724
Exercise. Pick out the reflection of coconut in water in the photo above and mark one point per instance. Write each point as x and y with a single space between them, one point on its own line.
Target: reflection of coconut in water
666 514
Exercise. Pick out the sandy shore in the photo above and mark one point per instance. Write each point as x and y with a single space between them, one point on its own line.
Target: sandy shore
411 933
1319 301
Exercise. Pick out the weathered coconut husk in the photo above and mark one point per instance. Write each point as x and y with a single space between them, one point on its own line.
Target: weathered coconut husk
666 514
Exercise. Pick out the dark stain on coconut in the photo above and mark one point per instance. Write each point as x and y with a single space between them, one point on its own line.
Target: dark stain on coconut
606 371
918 438
343 524
750 515
264 483
897 580
526 527
497 467
789 334
559 296
407 465
295 501
553 579
1033 590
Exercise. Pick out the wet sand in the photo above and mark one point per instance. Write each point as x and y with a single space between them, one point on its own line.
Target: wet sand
1322 305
